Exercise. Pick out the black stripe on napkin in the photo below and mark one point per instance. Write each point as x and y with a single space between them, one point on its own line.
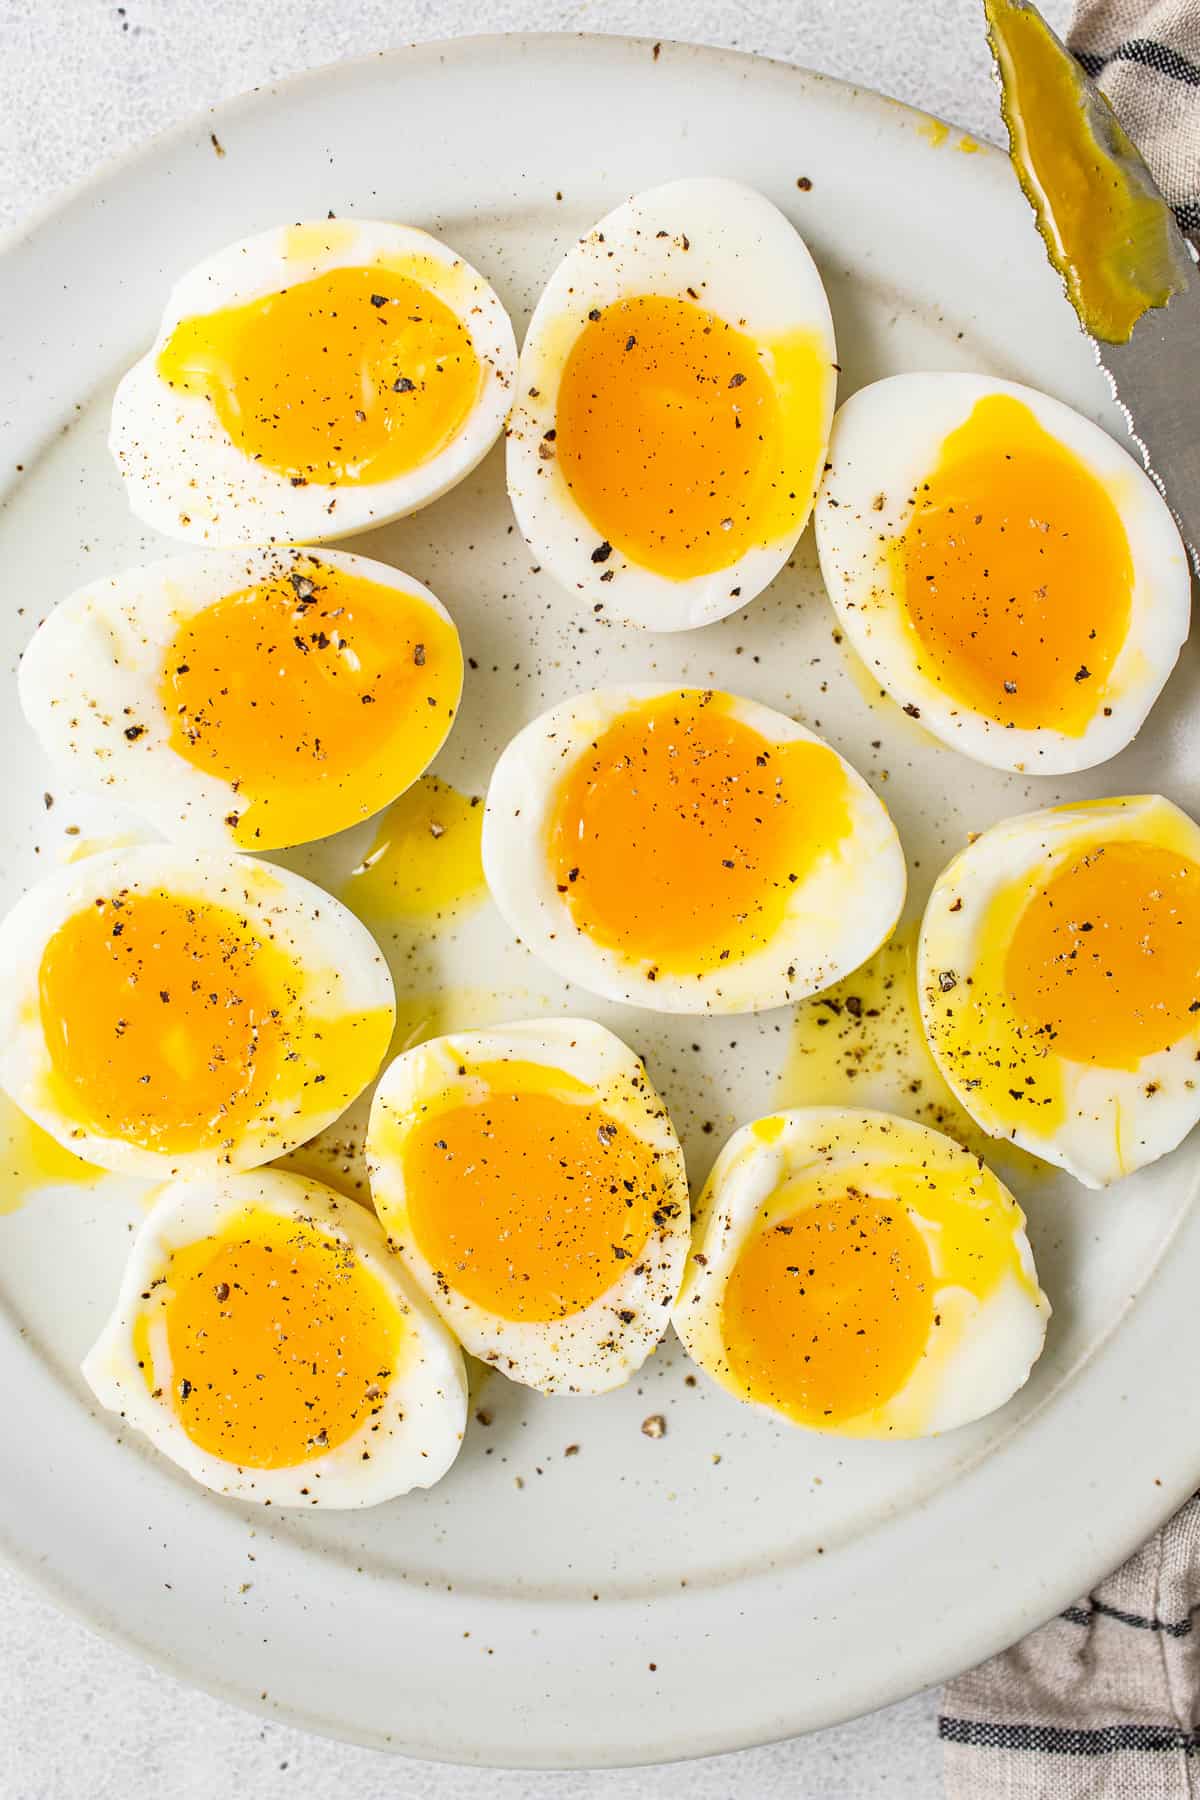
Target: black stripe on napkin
1059 1740
1147 51
1083 1615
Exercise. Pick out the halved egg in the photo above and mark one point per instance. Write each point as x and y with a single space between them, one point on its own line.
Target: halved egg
312 381
674 398
266 1341
253 698
1059 977
164 1013
533 1185
856 1273
688 850
1006 569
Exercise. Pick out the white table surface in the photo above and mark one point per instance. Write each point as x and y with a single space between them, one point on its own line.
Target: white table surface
81 80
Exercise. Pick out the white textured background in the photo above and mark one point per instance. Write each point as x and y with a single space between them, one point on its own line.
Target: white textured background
81 81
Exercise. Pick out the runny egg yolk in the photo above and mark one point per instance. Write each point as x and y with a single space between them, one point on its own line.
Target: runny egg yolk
355 376
281 1344
531 1199
827 1311
1104 963
683 441
1016 573
164 1019
680 834
319 694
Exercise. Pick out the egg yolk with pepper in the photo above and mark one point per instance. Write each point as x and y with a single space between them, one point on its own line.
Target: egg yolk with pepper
175 1025
1104 964
1016 573
683 441
351 377
827 1311
319 695
525 1194
680 834
280 1342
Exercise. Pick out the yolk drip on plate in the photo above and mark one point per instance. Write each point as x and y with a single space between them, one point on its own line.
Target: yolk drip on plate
425 861
684 442
1016 573
280 1342
355 376
1104 963
320 694
31 1159
172 1024
679 836
526 1196
828 1310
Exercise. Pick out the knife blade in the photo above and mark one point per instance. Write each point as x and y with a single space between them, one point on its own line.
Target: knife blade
1127 269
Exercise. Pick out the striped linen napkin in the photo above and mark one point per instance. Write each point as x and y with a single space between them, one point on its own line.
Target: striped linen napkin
1104 1702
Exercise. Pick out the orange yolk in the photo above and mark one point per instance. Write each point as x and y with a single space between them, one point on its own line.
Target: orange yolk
1016 573
1104 964
355 376
164 1019
319 694
684 443
826 1313
533 1201
281 1343
680 835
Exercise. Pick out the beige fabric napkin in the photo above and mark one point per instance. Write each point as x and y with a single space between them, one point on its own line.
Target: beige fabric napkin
1104 1702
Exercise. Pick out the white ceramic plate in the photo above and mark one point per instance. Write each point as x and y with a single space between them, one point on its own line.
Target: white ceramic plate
641 1599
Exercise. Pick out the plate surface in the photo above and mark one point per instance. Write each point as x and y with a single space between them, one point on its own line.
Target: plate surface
732 1581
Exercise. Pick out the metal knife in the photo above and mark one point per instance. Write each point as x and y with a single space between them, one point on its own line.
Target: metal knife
1127 269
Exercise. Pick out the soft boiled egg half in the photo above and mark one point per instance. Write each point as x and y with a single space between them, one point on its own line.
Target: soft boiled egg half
674 398
860 1274
688 851
1009 573
266 1341
246 698
1059 974
165 1013
313 381
533 1185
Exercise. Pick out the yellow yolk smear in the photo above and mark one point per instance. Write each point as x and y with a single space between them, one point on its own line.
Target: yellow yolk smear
1108 231
425 863
31 1159
683 441
1104 964
281 1343
1015 573
163 1019
353 377
827 1311
532 1200
319 695
679 836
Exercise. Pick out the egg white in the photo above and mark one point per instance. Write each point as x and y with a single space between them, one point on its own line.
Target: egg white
837 916
411 1440
339 971
186 477
600 1346
746 263
885 440
1116 1120
95 663
979 1351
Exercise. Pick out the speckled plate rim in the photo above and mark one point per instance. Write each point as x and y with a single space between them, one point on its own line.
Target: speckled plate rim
1107 1456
